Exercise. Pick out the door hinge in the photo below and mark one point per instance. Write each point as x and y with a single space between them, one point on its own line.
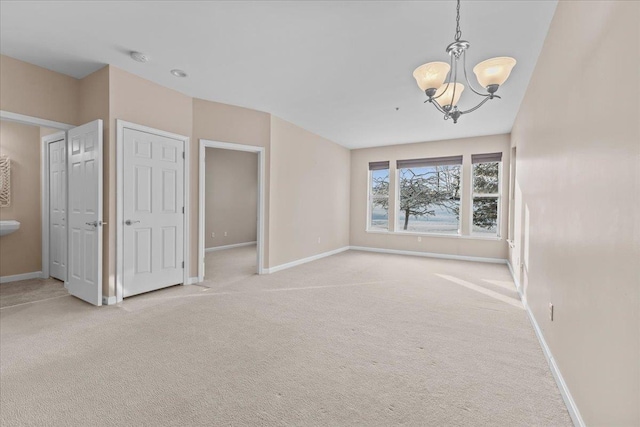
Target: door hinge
183 154
182 264
183 209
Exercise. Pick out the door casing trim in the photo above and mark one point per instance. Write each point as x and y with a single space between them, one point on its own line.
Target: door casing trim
45 194
121 125
34 121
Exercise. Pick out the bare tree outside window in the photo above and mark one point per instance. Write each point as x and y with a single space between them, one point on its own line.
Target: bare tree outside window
379 200
429 199
486 196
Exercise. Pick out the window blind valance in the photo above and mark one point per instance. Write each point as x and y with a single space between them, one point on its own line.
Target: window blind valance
434 161
376 166
486 158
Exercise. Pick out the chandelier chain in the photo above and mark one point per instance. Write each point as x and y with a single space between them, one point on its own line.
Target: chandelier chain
458 31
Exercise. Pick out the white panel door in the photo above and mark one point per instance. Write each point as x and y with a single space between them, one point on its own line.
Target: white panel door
84 153
57 210
153 208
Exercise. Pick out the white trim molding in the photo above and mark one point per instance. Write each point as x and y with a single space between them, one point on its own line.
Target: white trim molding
121 125
572 408
429 255
23 276
204 144
235 245
34 121
515 279
192 281
305 260
109 300
45 194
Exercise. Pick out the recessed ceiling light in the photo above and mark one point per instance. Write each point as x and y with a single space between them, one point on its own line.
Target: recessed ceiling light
178 73
140 57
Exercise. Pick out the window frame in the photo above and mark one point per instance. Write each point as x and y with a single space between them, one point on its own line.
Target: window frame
497 196
371 197
397 229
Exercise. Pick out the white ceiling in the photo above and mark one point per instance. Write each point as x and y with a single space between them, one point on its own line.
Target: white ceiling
338 69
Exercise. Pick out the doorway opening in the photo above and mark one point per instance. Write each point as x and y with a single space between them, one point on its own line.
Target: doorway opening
64 163
231 231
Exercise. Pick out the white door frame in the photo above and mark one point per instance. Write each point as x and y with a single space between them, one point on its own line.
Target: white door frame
121 125
45 192
44 173
205 143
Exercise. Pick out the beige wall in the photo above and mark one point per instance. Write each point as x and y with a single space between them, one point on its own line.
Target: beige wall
309 194
578 169
35 91
227 123
111 94
21 251
463 245
231 197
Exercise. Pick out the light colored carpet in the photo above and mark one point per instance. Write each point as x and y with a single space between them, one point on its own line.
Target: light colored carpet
354 339
230 265
26 291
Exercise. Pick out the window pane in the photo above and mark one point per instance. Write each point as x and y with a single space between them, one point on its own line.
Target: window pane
485 178
379 216
380 182
485 215
379 208
429 199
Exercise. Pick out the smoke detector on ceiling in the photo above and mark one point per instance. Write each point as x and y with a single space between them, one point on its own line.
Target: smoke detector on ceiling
140 57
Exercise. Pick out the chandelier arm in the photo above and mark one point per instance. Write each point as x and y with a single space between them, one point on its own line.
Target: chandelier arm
448 81
464 65
439 108
471 110
455 80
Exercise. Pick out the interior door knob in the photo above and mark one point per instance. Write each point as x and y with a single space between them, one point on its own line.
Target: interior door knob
129 222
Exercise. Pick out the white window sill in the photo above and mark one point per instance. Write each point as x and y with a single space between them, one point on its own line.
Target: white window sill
450 236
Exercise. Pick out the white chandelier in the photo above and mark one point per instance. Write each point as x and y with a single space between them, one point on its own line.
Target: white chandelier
444 96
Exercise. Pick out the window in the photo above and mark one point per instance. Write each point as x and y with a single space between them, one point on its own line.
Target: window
486 193
378 196
429 195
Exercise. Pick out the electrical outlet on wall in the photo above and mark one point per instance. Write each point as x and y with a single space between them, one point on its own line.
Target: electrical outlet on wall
318 240
225 234
551 312
213 234
419 238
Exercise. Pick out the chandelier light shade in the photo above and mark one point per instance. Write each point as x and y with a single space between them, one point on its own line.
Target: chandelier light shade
494 71
448 95
444 93
431 75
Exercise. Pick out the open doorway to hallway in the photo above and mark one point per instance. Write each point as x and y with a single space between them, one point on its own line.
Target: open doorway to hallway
231 198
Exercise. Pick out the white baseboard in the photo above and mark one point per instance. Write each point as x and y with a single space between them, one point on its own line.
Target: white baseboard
24 276
572 408
429 255
192 280
515 279
235 245
109 300
305 260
